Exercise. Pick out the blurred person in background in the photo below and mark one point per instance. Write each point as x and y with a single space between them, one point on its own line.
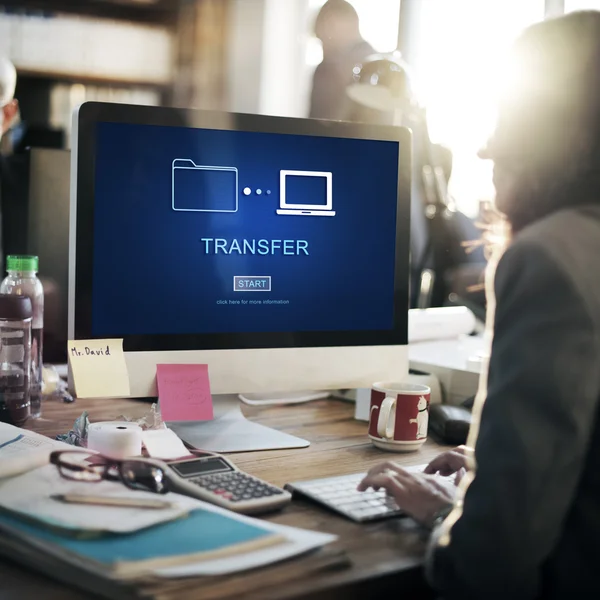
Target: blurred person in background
525 522
9 115
14 188
337 27
9 106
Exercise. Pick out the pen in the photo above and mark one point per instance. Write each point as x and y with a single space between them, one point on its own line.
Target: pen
111 501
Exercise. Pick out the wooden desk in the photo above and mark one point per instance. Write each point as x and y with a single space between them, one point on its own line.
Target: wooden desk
365 561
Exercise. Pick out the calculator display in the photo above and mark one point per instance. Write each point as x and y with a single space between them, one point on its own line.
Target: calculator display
200 467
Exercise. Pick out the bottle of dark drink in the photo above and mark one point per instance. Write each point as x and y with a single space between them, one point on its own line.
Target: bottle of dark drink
22 280
15 358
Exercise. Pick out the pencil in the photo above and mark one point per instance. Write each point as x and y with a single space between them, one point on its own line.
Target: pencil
112 501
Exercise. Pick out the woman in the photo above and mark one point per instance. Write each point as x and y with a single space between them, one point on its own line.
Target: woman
526 522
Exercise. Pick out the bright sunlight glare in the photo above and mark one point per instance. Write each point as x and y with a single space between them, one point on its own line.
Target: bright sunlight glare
461 54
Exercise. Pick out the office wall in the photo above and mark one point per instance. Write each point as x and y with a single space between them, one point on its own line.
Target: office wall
284 70
267 71
245 55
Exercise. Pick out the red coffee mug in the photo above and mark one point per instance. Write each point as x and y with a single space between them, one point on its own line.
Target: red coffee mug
399 416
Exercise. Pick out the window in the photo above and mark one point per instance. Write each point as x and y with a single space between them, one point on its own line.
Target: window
458 53
572 5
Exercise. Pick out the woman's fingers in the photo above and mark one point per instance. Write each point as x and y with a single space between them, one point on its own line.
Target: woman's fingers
384 467
447 463
459 475
387 481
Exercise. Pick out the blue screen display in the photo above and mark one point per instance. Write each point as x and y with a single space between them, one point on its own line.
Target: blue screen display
208 231
305 190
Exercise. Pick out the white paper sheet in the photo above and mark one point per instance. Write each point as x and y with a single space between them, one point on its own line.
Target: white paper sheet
22 450
30 494
164 444
14 440
299 542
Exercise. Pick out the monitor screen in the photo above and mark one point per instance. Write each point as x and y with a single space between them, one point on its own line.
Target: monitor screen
200 231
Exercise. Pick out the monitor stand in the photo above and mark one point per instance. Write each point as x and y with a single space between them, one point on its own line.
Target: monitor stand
230 431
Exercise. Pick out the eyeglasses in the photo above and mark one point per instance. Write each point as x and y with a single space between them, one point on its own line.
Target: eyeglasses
136 473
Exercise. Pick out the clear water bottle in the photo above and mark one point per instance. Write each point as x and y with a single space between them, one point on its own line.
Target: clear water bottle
22 280
15 358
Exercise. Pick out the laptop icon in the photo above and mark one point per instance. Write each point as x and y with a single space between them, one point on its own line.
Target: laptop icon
306 193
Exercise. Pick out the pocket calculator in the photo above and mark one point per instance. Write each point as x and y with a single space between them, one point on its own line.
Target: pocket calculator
215 479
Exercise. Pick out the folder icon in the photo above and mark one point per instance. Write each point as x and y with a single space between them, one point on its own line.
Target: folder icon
201 188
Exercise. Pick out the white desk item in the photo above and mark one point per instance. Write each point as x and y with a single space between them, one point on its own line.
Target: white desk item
282 398
215 479
446 322
163 444
340 494
117 439
22 450
230 431
456 363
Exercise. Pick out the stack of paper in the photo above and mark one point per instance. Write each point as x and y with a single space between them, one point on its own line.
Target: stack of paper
202 535
107 547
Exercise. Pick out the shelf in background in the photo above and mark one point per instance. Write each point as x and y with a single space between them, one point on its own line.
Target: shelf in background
86 78
157 12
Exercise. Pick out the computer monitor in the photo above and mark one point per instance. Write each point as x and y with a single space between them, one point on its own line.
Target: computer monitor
274 250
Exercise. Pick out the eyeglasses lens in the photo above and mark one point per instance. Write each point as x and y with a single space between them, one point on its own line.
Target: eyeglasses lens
81 466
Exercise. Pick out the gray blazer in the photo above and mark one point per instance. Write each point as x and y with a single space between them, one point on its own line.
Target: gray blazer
530 526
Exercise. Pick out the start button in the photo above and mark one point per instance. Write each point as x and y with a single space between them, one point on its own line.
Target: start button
252 283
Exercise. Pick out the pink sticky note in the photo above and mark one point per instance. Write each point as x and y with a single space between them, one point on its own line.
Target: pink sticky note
184 392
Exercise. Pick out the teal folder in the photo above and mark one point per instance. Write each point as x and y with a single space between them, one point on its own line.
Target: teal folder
203 535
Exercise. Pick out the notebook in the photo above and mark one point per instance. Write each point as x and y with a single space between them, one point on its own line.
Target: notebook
203 535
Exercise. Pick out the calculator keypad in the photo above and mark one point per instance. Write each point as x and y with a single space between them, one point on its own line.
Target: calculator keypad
236 486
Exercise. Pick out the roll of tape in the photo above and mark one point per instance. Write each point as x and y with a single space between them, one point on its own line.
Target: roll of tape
115 439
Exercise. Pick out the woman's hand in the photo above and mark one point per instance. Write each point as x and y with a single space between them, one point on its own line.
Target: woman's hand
450 462
419 495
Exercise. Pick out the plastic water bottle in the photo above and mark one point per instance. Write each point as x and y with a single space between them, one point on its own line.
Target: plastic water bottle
22 280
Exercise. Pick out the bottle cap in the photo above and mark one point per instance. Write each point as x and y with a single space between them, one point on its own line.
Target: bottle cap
21 262
15 308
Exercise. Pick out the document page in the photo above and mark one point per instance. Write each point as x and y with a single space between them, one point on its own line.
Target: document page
22 450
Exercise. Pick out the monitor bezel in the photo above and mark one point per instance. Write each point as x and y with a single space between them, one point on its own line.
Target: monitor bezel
85 122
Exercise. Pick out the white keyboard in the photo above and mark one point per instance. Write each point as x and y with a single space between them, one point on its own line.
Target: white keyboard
340 494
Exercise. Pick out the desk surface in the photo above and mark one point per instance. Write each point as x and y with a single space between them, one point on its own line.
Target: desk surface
363 554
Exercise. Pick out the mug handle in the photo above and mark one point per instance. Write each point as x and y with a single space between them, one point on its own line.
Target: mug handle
385 429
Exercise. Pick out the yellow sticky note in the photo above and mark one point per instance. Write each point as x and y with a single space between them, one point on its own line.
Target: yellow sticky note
98 368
